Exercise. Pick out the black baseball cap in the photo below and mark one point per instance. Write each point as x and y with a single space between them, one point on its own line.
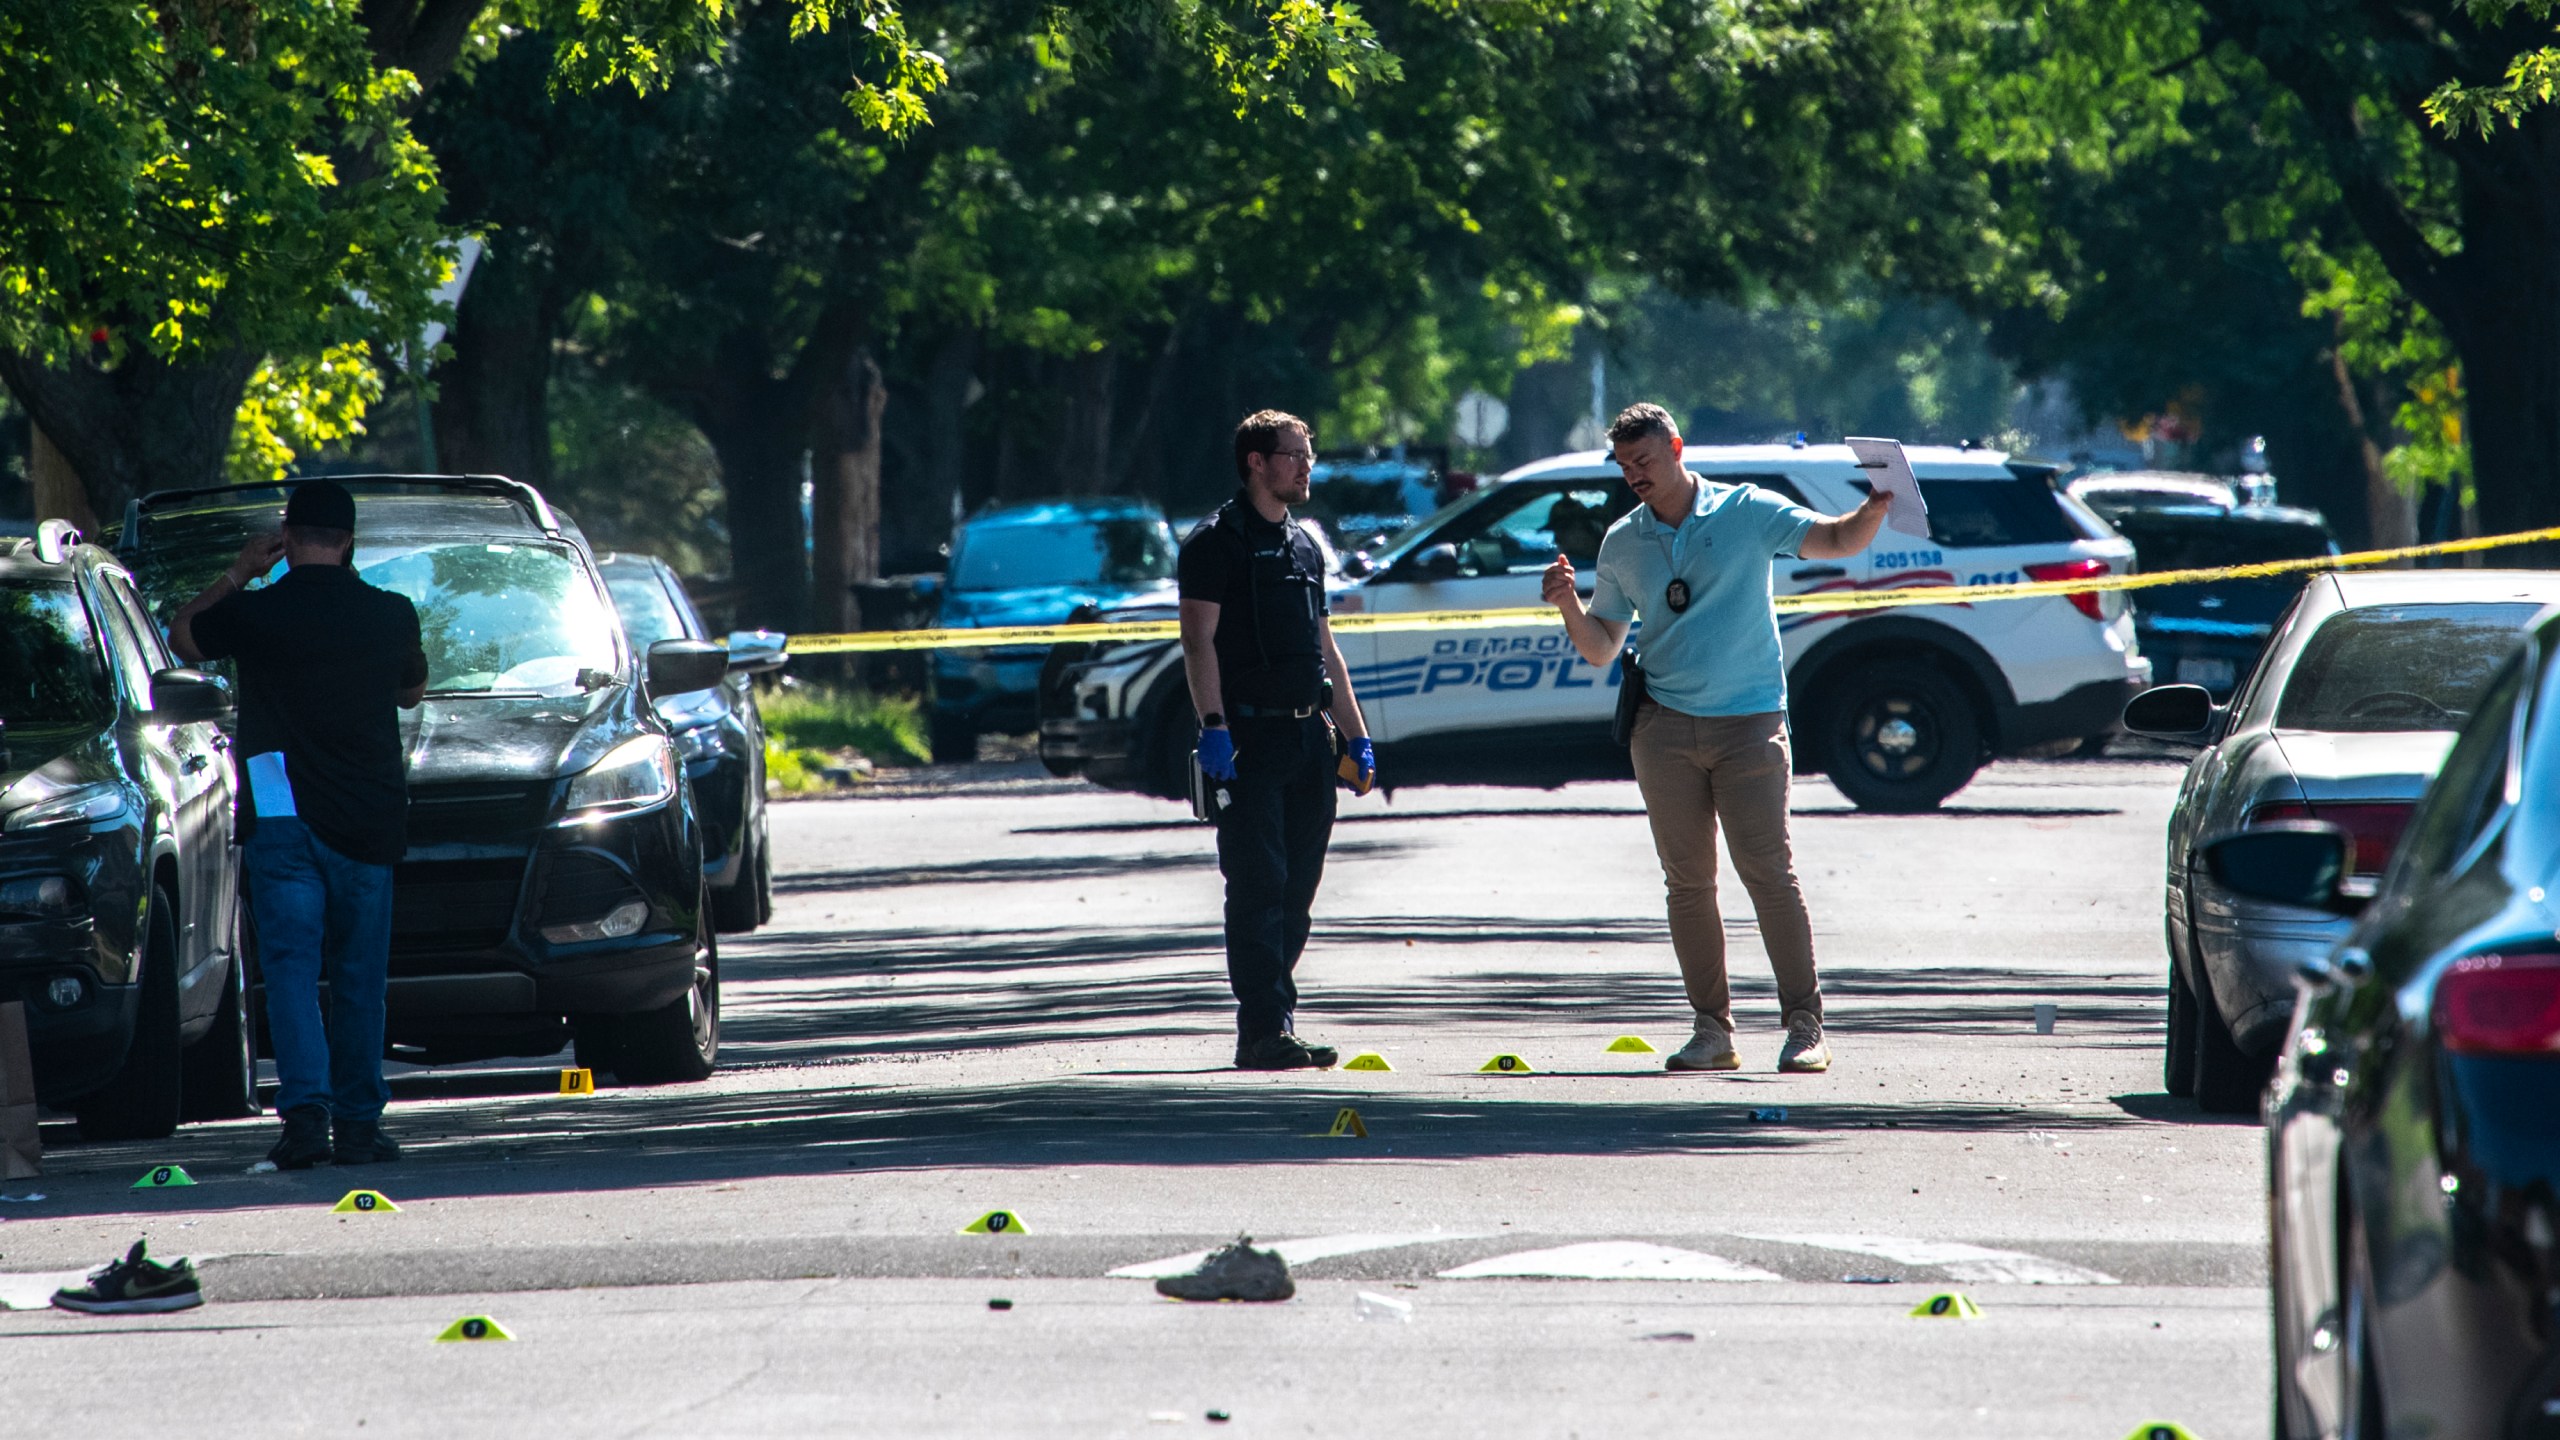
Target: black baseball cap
321 505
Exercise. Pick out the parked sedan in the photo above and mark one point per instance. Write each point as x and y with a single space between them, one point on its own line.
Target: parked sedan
2412 1155
718 732
2349 713
119 906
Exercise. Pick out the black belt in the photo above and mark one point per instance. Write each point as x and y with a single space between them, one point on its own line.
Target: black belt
1266 712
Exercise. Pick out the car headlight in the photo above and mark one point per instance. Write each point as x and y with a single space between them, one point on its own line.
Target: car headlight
634 775
86 805
37 895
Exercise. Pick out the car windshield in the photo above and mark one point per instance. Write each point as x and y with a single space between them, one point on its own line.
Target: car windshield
648 614
1094 550
512 617
51 674
2400 667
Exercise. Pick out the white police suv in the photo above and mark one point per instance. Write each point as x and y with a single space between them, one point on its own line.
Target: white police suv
1898 707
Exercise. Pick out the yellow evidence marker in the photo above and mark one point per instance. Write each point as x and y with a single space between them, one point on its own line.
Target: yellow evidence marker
996 1222
363 1202
580 1081
1947 1305
2160 1430
1367 1060
162 1177
1505 1064
475 1327
1631 1045
1347 1126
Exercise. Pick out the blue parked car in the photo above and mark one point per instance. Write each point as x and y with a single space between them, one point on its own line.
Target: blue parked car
1035 564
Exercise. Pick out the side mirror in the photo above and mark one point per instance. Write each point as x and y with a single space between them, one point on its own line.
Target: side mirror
188 697
1436 562
2173 712
679 666
2291 862
755 652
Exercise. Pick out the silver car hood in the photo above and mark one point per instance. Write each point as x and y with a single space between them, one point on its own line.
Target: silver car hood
2386 765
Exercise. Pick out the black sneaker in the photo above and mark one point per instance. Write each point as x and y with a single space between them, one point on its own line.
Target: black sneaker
1284 1052
134 1286
1234 1272
361 1142
305 1142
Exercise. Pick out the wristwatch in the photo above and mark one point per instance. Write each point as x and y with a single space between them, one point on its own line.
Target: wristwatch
1214 720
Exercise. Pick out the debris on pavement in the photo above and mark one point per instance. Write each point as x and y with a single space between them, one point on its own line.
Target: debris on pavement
1233 1272
1373 1306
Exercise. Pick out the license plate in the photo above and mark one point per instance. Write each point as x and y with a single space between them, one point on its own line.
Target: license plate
2205 670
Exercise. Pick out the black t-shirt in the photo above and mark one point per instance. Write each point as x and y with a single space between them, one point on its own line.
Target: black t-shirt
1267 581
322 660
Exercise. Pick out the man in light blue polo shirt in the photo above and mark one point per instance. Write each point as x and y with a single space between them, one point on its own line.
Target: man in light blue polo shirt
1710 740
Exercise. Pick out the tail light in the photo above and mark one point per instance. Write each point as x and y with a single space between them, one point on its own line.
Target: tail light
2500 1004
2374 827
2085 568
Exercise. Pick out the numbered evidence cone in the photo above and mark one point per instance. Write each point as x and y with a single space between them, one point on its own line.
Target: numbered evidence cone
2161 1430
1946 1305
1505 1064
996 1222
1347 1126
1367 1060
581 1081
475 1327
162 1177
1631 1045
363 1202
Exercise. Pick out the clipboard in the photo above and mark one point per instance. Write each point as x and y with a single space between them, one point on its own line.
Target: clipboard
1889 470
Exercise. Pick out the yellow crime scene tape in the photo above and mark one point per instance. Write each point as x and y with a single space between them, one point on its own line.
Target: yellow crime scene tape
1887 597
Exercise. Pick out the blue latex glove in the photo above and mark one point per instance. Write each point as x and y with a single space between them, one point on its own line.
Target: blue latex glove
1360 767
1218 754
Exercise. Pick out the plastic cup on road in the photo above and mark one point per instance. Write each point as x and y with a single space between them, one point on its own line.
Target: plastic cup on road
2044 1019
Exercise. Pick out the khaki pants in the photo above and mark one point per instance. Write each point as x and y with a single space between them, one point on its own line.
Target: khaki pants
1697 770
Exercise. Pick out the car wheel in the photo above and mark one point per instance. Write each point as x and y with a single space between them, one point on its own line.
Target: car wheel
1177 734
746 902
2228 1078
2178 1054
220 1076
955 739
680 1040
141 1102
1900 738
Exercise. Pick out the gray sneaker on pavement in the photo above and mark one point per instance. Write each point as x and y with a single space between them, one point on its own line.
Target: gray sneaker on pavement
1711 1048
1805 1052
1233 1272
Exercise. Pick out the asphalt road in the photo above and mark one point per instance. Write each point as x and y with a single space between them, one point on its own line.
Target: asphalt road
983 992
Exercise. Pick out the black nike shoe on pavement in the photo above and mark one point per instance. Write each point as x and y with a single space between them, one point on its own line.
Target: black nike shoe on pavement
361 1142
306 1139
1284 1052
1233 1272
134 1285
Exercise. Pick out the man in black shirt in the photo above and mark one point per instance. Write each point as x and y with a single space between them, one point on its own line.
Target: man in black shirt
325 662
1264 671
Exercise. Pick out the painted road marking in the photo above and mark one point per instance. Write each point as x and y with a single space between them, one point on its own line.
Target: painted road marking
1296 1252
1973 1264
1610 1260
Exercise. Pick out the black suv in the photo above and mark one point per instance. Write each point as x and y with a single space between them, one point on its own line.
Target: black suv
119 916
553 885
719 735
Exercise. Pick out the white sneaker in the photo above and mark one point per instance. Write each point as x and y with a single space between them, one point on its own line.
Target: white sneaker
1711 1048
1805 1053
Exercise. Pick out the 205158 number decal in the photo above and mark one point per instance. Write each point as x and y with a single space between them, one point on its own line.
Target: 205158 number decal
1909 559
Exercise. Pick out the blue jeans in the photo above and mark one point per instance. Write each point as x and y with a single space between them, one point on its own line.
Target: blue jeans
319 913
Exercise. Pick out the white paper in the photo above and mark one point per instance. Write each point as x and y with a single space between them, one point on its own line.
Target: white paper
1889 470
269 789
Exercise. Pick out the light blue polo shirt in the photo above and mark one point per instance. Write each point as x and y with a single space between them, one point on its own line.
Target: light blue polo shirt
1721 655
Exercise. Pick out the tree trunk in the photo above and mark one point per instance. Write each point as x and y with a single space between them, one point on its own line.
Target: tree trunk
845 503
1093 388
2390 520
492 411
55 484
760 451
2511 377
918 518
144 425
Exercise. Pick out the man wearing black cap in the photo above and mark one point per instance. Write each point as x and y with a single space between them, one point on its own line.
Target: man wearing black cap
325 661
